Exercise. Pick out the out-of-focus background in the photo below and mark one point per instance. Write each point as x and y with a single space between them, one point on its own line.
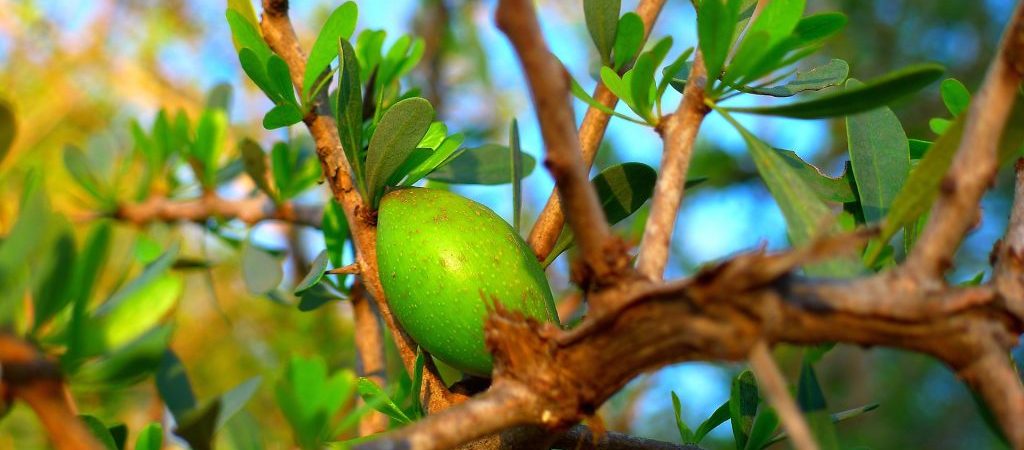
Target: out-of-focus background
77 72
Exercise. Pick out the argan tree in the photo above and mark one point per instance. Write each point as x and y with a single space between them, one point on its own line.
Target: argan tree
457 292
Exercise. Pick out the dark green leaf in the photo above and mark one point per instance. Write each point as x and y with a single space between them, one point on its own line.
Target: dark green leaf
318 295
629 38
261 270
218 98
818 78
91 263
127 365
826 188
8 128
246 35
765 43
685 433
918 148
516 162
198 426
670 71
743 400
717 418
283 115
99 431
399 130
955 95
350 111
879 157
817 27
55 293
875 93
804 212
234 400
762 430
716 20
173 386
812 402
488 164
316 272
120 434
373 394
150 438
340 25
602 19
309 399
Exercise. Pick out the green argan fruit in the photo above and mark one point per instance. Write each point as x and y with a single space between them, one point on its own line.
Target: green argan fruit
443 259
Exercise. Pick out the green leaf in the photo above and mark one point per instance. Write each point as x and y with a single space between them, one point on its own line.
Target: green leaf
516 155
629 38
766 42
256 69
308 398
874 93
54 292
826 188
602 20
255 163
82 171
938 125
617 86
231 402
127 365
743 400
685 433
434 137
350 112
280 81
173 386
86 272
219 97
717 418
761 432
282 168
670 71
716 21
261 270
99 431
340 25
8 128
336 232
150 438
316 272
283 115
198 426
246 35
211 132
488 164
137 312
399 130
818 27
804 212
955 95
922 185
816 79
642 86
318 295
812 403
436 159
373 394
879 157
417 382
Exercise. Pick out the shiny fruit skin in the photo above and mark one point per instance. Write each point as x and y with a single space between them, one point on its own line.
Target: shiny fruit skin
442 259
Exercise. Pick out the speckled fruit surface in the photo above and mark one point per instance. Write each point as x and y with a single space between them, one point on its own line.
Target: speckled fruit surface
442 259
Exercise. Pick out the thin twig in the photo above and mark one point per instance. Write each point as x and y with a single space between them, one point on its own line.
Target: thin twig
777 393
370 347
351 269
975 165
551 219
250 210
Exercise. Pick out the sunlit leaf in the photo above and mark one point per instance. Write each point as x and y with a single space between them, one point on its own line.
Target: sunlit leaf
308 398
340 25
879 157
720 416
444 151
685 433
629 37
372 393
399 130
211 132
716 20
955 96
642 87
246 35
127 365
282 115
874 93
765 43
150 438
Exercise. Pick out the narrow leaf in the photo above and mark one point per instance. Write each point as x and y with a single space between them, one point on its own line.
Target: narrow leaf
812 402
246 35
874 93
516 162
373 394
743 400
716 20
350 112
174 387
436 159
717 418
316 272
816 79
336 232
685 433
761 432
488 164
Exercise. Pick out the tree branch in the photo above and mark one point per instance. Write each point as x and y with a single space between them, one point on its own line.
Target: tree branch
280 36
250 210
581 438
975 164
551 219
679 131
37 381
603 257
